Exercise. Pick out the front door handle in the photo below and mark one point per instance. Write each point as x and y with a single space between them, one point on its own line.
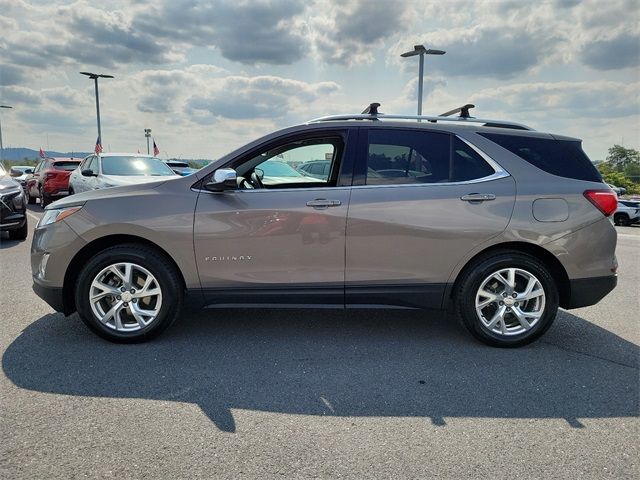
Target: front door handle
323 203
478 197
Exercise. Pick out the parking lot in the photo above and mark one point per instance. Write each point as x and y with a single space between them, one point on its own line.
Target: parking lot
318 394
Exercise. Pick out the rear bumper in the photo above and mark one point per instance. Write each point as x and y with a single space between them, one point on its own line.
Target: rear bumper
589 291
51 295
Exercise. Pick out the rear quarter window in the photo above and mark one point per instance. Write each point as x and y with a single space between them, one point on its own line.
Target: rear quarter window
564 158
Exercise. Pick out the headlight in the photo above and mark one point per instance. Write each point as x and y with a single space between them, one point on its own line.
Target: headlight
18 200
56 215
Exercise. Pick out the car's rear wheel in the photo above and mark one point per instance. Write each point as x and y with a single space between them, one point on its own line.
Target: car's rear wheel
621 219
129 293
508 299
44 198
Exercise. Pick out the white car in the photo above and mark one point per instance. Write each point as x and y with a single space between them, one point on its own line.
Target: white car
116 170
628 213
20 173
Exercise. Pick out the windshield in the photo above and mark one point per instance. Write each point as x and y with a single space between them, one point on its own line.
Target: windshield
273 168
135 166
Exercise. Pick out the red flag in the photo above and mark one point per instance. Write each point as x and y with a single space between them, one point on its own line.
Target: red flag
42 155
156 150
98 148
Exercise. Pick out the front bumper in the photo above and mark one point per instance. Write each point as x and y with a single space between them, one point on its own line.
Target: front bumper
589 291
52 295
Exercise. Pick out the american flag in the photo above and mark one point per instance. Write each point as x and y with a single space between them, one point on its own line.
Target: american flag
98 148
156 150
42 154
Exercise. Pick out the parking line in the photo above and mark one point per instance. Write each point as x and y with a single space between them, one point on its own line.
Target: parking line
35 217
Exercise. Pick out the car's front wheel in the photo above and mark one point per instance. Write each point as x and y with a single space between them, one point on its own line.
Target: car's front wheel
129 293
508 299
621 219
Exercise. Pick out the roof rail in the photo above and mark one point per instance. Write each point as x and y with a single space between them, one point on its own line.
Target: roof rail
371 113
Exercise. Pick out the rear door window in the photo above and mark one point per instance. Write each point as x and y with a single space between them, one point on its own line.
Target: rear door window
411 156
564 158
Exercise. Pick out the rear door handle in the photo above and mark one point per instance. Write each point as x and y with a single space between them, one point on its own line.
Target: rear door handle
323 203
478 197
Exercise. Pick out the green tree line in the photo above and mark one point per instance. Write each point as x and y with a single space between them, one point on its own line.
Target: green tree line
622 168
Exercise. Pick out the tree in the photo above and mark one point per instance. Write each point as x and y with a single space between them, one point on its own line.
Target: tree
619 157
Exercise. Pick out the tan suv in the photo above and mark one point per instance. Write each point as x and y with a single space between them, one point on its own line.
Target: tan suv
499 222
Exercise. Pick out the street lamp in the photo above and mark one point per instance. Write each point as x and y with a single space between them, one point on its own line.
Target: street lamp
147 134
1 147
95 77
420 50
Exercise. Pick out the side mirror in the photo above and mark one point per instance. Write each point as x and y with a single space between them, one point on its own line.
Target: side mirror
223 179
88 173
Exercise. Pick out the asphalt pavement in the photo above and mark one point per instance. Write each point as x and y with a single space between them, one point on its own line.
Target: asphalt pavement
318 394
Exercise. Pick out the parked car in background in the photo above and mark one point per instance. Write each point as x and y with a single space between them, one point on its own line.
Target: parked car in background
20 173
181 168
50 180
13 207
316 168
116 170
503 226
619 190
628 213
275 172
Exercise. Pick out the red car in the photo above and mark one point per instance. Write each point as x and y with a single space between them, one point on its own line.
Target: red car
50 180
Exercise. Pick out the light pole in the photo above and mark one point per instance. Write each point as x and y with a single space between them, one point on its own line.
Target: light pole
147 134
95 77
420 50
1 147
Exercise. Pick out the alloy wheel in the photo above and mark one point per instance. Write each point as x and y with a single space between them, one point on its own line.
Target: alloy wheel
510 301
125 297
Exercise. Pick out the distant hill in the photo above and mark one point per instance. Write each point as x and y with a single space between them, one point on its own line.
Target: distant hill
14 154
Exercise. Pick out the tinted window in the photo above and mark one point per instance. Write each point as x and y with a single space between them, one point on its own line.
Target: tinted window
404 156
559 157
135 166
66 165
467 163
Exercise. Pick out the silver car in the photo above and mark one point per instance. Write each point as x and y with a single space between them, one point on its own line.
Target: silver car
493 220
115 170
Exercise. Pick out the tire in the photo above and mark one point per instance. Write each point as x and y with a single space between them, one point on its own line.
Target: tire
506 330
20 233
71 192
44 198
621 219
30 200
121 325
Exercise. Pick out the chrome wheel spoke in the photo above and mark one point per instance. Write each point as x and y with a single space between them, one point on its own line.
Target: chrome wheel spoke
111 312
521 318
497 317
105 291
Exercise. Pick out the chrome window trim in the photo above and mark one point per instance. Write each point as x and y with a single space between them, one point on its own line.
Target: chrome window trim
499 172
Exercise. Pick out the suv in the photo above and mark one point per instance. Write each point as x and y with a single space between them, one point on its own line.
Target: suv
502 224
628 213
13 208
50 180
117 169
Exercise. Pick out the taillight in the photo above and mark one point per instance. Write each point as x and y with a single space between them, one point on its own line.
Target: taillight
604 200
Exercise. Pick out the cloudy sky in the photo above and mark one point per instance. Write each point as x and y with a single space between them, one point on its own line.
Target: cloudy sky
209 76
